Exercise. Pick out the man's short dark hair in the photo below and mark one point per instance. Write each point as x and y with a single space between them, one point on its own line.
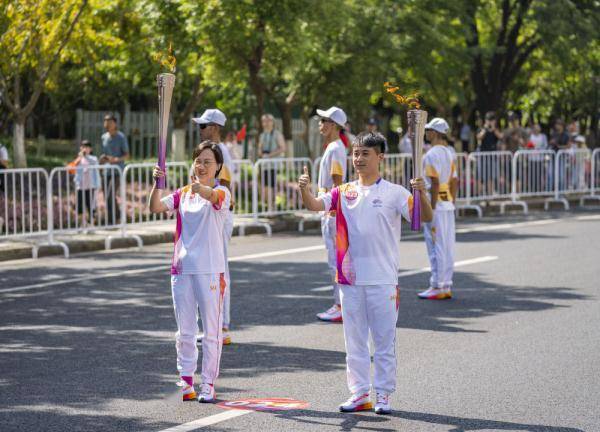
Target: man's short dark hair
371 139
490 115
110 116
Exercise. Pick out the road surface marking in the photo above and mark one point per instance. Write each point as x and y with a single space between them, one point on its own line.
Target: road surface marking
426 269
207 421
588 217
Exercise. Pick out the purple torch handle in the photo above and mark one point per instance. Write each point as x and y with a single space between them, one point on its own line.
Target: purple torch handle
415 217
165 83
416 132
162 149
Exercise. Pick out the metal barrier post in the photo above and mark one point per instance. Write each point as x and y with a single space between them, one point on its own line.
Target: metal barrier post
464 172
594 177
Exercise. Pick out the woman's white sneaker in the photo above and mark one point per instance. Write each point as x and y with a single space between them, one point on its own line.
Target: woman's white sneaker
187 391
358 402
383 404
207 393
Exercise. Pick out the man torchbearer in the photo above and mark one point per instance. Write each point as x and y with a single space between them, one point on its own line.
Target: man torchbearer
368 218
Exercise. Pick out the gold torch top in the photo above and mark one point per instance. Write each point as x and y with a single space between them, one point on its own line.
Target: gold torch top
167 60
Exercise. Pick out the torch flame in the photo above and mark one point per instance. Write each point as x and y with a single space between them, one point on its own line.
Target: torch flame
167 59
411 101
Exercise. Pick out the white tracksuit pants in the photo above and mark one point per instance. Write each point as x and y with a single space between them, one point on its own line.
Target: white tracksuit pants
328 233
440 237
228 231
204 292
370 309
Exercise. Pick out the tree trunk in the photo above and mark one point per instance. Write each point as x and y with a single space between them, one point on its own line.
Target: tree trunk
306 138
19 142
286 119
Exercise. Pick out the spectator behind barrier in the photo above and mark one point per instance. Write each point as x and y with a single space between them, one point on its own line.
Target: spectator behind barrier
87 181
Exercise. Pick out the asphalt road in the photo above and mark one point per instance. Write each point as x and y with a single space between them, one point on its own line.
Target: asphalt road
87 344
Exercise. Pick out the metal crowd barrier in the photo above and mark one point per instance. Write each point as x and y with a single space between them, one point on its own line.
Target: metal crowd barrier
594 177
491 177
571 175
243 187
138 184
463 199
23 204
532 175
33 203
98 203
275 189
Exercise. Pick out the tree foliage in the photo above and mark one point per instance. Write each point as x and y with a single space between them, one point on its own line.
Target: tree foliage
291 56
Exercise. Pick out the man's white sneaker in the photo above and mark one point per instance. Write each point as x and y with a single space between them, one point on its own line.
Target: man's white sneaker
358 402
333 314
383 404
207 393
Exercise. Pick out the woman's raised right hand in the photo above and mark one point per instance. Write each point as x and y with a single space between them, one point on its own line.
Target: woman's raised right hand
158 173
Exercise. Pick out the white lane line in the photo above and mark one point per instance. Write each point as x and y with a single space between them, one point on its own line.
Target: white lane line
588 217
426 269
266 255
206 421
506 225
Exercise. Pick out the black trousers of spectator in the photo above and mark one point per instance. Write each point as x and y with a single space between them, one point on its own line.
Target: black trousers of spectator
110 187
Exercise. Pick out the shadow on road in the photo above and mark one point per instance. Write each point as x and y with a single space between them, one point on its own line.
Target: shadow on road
372 422
77 345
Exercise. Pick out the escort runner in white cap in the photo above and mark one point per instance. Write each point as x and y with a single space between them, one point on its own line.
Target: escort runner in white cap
441 177
198 267
211 122
369 212
332 173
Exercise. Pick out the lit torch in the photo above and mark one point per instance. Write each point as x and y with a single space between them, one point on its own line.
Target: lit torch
417 119
165 83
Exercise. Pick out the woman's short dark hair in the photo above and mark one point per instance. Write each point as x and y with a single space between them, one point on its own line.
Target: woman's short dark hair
371 139
214 147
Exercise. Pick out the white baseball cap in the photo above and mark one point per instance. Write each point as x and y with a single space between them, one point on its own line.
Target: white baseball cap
335 114
212 115
580 139
438 124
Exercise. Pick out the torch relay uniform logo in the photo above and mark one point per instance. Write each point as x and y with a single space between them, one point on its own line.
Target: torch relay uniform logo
351 194
268 404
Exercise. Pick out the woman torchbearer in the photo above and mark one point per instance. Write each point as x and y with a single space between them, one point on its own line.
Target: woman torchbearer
198 266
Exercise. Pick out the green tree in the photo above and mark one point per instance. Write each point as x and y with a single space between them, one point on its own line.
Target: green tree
34 34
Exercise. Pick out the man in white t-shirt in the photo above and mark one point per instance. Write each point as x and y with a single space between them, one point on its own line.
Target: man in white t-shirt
439 165
332 172
211 122
368 220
